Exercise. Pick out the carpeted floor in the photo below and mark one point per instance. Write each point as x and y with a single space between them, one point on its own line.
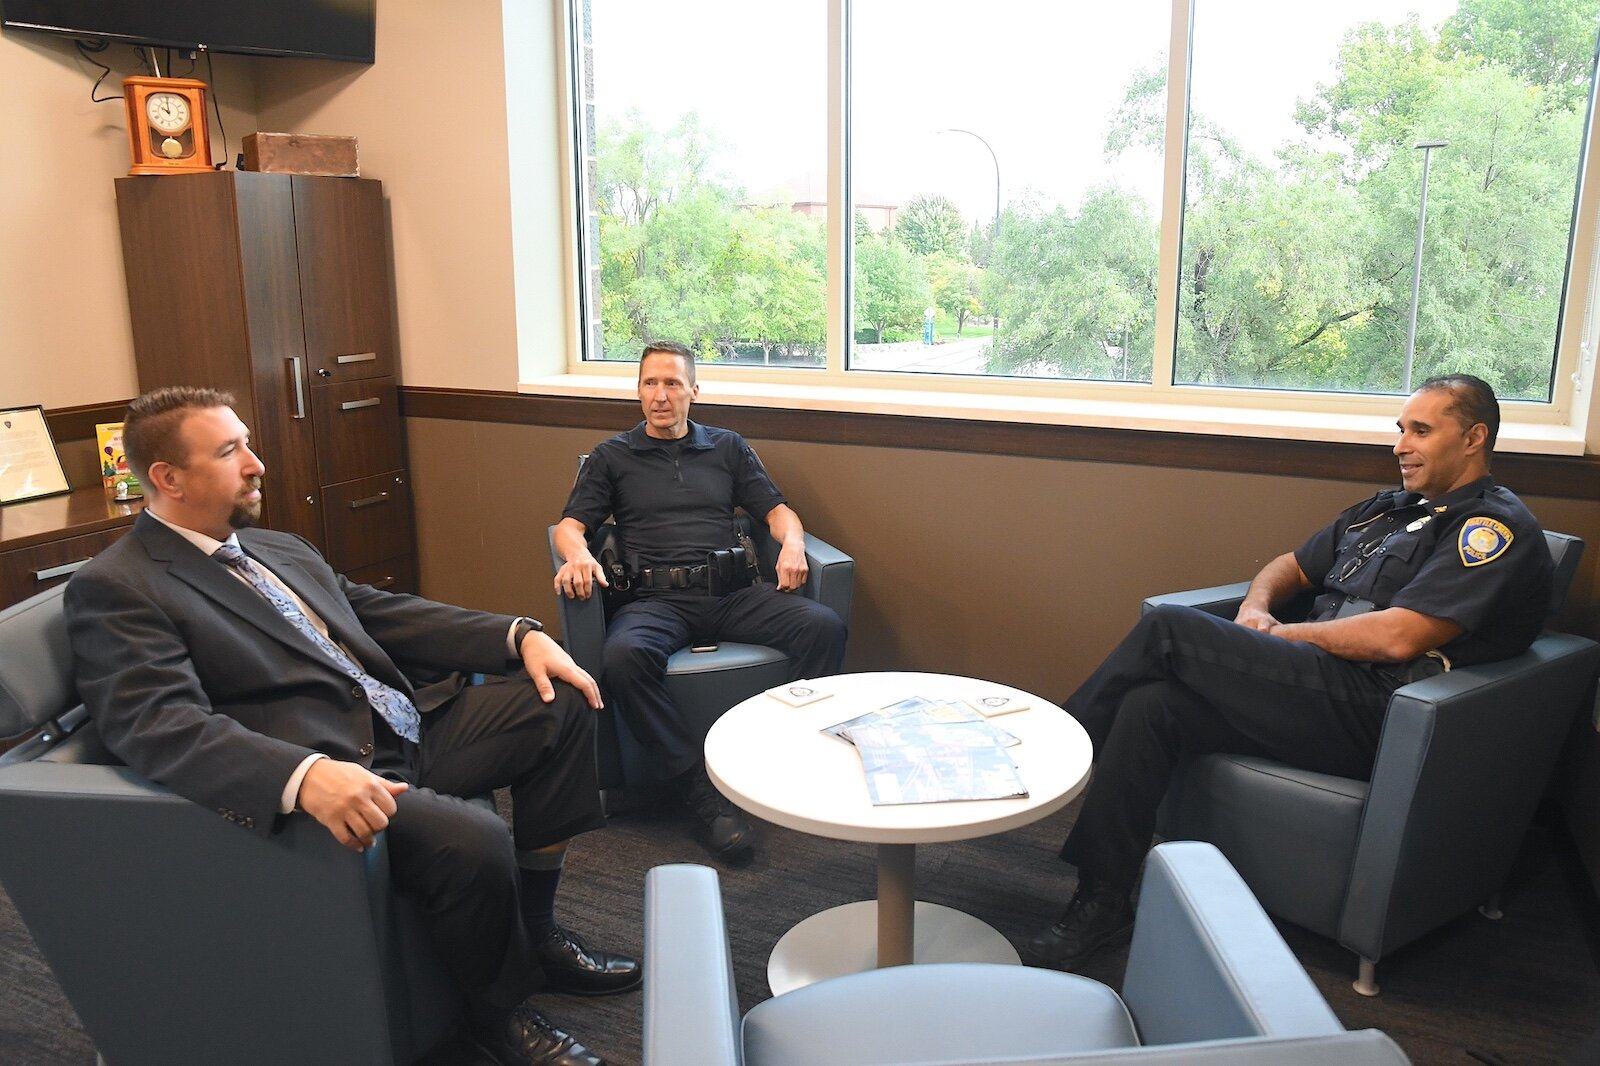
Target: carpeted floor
1524 990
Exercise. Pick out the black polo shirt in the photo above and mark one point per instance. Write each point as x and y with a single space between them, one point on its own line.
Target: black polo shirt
673 501
1475 556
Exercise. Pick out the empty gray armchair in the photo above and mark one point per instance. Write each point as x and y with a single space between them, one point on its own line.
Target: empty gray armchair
1462 761
1209 981
176 936
702 684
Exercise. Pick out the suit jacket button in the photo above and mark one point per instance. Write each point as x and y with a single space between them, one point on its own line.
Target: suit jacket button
357 692
366 749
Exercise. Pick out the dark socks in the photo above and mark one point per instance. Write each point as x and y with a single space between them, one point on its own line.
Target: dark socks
537 889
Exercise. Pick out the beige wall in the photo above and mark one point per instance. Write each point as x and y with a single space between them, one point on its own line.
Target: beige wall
1021 570
64 333
432 122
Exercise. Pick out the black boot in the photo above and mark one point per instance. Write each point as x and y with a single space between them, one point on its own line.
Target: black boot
728 833
1097 915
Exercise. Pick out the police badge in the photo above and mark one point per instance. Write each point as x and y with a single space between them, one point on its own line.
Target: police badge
1482 540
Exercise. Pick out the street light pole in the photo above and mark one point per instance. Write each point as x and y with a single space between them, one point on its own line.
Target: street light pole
1416 261
996 160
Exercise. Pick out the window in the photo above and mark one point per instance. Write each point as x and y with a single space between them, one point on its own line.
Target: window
1042 195
1304 200
706 193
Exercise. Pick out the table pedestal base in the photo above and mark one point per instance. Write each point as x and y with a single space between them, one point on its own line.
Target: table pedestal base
841 940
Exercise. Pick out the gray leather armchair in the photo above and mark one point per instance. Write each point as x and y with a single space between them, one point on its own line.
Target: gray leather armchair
1462 762
176 936
702 684
1208 981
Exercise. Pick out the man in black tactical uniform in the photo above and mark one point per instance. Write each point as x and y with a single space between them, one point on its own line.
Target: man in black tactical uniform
672 486
1451 569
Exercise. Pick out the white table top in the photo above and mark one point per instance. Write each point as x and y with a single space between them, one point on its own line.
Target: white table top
773 761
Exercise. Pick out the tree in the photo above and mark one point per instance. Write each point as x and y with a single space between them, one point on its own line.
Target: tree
1076 290
681 258
891 288
931 224
955 283
1549 43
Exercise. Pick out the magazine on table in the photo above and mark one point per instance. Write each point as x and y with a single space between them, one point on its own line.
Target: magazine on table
908 759
920 709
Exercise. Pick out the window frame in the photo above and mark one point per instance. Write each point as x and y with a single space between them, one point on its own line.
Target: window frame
1558 427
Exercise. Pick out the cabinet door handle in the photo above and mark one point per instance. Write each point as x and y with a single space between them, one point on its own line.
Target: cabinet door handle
299 386
383 582
359 357
63 570
353 405
368 501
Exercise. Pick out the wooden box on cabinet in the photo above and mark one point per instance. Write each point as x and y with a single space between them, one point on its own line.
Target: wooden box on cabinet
276 288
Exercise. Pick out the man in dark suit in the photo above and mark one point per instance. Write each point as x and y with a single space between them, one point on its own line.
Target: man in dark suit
234 666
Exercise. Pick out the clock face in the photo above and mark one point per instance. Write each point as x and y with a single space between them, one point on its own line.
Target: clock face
168 112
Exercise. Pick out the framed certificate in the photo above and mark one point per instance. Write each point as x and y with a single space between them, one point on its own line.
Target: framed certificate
29 465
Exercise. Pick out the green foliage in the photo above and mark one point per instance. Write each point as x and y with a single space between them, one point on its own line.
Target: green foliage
891 286
1549 43
1296 271
955 283
681 258
930 225
1075 293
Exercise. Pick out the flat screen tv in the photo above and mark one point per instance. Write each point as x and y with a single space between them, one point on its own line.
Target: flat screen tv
325 29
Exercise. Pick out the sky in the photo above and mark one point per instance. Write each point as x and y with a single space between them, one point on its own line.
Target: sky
1039 82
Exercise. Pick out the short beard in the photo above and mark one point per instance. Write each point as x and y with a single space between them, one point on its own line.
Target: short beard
244 515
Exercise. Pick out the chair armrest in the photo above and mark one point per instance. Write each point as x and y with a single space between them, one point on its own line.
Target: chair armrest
144 918
1220 600
832 578
691 1008
583 622
1207 963
1462 762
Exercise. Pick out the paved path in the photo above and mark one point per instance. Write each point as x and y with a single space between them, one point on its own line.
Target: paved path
963 356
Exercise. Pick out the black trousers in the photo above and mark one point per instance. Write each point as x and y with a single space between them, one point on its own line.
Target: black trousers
642 634
1184 682
455 858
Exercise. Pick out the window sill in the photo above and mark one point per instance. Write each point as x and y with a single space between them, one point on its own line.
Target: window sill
1211 420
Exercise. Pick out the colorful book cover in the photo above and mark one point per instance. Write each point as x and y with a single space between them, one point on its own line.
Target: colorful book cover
114 472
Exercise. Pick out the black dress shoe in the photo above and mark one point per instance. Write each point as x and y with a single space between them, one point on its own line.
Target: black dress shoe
572 966
1097 916
527 1038
728 834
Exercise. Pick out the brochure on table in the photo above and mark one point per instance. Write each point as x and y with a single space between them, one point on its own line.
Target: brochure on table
919 750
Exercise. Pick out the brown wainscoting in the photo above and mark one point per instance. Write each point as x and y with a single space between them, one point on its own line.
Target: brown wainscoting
1562 476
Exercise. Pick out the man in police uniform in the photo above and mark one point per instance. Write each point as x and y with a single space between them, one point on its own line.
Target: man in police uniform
1451 569
672 486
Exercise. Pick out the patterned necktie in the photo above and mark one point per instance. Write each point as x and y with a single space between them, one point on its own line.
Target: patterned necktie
396 709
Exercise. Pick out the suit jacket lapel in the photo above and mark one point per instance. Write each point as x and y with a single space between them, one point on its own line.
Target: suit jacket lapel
210 578
334 611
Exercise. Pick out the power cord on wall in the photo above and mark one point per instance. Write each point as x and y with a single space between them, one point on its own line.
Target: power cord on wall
88 49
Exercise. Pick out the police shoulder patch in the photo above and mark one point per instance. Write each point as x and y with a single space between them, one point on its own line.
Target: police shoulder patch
1482 540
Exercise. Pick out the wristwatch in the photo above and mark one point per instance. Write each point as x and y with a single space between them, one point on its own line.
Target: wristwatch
523 628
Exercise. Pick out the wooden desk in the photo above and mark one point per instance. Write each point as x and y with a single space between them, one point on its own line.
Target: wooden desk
43 541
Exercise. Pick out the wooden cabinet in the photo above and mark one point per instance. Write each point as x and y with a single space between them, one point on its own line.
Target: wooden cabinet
276 288
44 542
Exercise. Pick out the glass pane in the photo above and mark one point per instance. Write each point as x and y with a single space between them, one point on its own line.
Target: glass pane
1306 180
706 178
1006 163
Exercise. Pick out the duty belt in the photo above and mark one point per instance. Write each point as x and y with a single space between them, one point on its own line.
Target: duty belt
672 577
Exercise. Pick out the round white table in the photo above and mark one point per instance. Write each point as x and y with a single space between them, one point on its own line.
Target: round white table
773 761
